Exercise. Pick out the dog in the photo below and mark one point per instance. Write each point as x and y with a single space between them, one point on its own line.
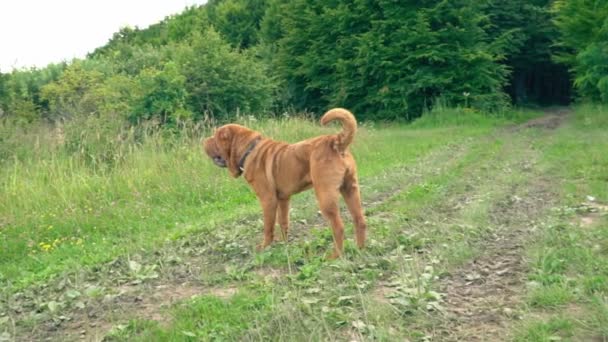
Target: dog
277 170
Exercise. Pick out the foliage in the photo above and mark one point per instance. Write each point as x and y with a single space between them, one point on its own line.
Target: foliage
163 96
531 34
384 60
173 29
387 59
238 21
201 76
583 38
222 81
20 91
74 92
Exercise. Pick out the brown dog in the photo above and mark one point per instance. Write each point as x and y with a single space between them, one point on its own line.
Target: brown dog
276 170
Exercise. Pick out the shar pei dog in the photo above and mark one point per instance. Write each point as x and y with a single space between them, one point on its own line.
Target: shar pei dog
277 170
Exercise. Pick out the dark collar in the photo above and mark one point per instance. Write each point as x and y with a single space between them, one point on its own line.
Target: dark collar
247 152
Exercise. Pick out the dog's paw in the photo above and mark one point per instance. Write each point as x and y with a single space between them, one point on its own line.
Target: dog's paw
333 256
261 246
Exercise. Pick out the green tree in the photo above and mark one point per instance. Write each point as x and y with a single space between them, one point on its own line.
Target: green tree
531 35
72 94
238 21
221 81
388 59
173 29
163 96
22 91
583 40
4 93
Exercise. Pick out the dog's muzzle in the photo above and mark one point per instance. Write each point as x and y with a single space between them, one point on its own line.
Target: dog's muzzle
219 161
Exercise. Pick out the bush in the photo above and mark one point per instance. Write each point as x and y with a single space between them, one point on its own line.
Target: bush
386 59
163 97
221 81
72 94
583 26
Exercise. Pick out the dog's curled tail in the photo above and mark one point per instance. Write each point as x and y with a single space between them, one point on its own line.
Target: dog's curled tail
349 126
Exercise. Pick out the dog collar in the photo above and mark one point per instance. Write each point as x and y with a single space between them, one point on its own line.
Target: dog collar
247 152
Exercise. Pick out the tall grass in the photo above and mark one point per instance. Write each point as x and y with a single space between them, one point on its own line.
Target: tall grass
89 190
444 115
569 259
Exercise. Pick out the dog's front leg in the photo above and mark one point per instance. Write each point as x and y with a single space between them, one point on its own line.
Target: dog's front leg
283 217
269 207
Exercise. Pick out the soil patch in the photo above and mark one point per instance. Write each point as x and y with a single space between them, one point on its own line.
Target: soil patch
483 295
553 118
589 213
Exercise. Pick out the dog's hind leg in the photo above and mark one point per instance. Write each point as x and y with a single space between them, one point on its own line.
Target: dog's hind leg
327 171
352 197
327 196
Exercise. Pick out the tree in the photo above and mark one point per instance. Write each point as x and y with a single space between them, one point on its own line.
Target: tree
238 21
21 93
583 26
221 81
531 34
71 95
164 96
4 93
388 59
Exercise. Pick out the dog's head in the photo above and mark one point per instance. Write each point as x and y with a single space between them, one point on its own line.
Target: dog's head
227 145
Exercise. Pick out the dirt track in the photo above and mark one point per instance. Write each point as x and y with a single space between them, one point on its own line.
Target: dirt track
480 295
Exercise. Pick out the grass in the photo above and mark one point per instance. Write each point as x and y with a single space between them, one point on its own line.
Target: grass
204 318
402 232
67 204
555 329
569 263
91 224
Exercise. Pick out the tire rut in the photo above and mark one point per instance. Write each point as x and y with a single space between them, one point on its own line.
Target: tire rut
180 265
482 296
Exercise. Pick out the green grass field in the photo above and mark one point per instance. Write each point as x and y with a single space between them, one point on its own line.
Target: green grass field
479 227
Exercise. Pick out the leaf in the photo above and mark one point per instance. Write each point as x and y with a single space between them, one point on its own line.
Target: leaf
188 333
5 336
434 306
93 291
72 294
313 290
53 306
434 295
134 266
310 300
3 320
403 302
472 276
79 304
345 300
119 327
359 325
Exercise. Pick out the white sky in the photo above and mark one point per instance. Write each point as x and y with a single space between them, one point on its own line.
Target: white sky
38 32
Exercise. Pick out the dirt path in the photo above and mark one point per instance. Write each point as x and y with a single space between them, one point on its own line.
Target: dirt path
482 296
89 303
